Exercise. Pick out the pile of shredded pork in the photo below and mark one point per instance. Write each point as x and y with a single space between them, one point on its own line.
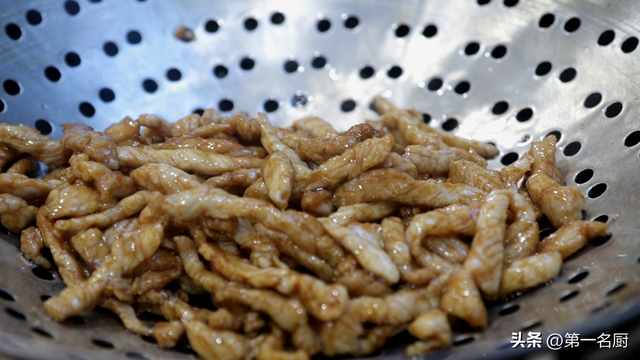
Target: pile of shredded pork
308 240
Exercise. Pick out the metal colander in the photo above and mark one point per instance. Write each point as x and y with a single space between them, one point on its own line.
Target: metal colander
509 72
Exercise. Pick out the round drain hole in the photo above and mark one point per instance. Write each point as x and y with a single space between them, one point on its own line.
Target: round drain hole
277 18
509 309
524 115
7 296
632 139
323 25
543 68
601 218
615 289
463 87
13 31
103 344
435 84
592 100
348 105
567 75
250 24
110 48
150 86
568 295
606 37
450 124
247 63
601 240
463 340
72 7
572 25
220 71
211 26
107 95
583 176
597 190
225 105
291 66
613 110
16 314
509 158
430 31
270 105
577 277
394 72
42 273
572 149
42 332
366 72
43 126
629 45
499 52
319 62
402 30
351 22
33 17
546 20
134 37
472 48
500 108
87 109
174 74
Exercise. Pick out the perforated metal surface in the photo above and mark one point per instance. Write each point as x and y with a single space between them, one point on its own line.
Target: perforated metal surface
530 67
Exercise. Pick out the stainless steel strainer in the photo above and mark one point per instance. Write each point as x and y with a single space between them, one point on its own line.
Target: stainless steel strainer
508 72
